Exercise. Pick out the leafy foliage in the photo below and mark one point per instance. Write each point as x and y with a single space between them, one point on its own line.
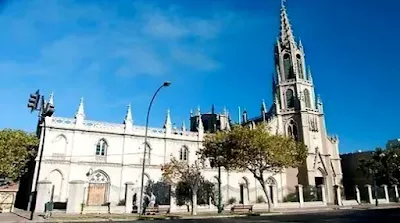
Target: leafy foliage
160 189
384 165
180 171
255 150
183 193
16 149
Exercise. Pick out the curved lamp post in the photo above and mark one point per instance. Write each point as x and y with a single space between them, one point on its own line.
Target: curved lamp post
165 84
215 162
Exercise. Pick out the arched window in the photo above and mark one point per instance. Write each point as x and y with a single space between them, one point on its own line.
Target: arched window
299 66
289 98
307 98
101 148
287 66
184 153
292 130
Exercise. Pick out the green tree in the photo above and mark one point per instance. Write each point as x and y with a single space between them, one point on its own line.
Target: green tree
16 149
254 150
176 171
183 193
160 189
384 164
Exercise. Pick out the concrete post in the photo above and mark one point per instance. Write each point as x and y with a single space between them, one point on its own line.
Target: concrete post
369 193
43 195
323 193
339 194
358 196
275 195
385 189
129 197
396 192
301 195
76 195
172 200
245 194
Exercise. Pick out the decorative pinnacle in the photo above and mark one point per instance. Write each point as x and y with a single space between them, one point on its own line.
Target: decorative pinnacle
286 35
128 116
81 110
168 118
51 98
183 128
263 106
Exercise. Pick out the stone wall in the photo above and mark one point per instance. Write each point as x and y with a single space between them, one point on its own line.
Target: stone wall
7 197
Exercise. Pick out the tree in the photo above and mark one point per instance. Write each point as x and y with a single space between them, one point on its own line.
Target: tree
176 171
183 193
16 149
254 150
160 189
383 165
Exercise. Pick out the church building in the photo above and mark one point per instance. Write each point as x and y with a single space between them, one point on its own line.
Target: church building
107 155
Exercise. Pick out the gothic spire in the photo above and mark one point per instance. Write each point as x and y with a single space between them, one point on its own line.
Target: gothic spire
81 111
263 106
309 75
51 99
286 33
168 123
128 117
183 128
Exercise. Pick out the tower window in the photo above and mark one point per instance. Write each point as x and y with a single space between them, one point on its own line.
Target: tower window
292 130
289 98
101 148
307 98
300 66
287 66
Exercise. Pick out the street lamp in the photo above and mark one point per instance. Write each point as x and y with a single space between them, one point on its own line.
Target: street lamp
215 162
165 84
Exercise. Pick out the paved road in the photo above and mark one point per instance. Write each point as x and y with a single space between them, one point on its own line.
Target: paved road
340 216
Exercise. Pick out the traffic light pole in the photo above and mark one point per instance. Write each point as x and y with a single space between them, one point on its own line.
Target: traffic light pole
44 110
34 194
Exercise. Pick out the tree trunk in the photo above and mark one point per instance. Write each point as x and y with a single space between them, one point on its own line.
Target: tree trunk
266 194
194 203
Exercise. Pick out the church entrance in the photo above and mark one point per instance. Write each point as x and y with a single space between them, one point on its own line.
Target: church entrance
318 182
98 189
241 194
96 194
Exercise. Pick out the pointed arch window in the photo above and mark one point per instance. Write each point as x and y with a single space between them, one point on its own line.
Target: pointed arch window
101 148
289 98
287 66
184 154
300 66
307 98
292 130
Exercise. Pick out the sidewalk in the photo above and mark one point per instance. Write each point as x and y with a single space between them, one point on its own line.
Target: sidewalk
23 216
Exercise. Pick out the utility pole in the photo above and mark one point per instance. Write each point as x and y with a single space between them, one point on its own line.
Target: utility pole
36 103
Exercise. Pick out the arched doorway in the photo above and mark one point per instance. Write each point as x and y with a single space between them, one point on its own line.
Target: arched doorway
98 189
56 178
244 190
272 189
319 177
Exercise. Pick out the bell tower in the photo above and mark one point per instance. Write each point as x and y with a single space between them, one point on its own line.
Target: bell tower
300 113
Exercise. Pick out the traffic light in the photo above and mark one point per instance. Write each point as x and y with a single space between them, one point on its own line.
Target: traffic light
34 101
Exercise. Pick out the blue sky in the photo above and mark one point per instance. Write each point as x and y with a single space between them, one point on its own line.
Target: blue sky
117 52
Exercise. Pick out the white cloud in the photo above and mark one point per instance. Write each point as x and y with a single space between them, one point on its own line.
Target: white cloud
71 37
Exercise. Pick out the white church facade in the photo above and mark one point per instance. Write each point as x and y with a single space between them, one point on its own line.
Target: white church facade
105 156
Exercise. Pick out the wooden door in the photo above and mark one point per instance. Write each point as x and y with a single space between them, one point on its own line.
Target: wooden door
96 194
